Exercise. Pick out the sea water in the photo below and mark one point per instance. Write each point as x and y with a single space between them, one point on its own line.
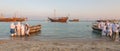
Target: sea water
55 30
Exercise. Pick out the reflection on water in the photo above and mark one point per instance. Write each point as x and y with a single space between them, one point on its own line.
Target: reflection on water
20 38
96 33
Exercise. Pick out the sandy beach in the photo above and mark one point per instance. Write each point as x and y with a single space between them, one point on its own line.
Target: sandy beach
59 45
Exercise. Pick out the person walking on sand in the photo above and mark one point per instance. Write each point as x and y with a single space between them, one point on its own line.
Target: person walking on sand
18 26
12 28
115 28
22 30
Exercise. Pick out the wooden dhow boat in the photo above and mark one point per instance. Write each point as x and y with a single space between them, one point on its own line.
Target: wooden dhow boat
58 19
12 19
61 19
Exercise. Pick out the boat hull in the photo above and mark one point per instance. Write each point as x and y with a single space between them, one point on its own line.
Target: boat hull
76 20
12 19
62 19
95 28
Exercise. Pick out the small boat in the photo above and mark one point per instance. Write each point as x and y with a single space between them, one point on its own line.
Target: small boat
61 19
33 30
94 27
74 20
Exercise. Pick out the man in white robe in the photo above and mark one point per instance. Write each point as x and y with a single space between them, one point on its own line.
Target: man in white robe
18 28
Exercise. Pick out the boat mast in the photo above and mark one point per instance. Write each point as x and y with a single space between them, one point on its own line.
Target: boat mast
68 15
1 15
15 15
54 13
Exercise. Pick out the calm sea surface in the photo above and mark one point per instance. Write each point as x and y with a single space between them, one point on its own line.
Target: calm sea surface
55 30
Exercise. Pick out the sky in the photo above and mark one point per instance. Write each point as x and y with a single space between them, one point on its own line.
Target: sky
83 9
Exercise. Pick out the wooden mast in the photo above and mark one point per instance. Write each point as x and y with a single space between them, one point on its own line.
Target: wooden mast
54 12
15 17
1 15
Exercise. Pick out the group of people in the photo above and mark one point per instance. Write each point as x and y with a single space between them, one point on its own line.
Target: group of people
19 29
110 29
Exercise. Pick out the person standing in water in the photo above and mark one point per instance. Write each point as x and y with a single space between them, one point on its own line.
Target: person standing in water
102 26
109 29
22 30
12 28
115 28
27 29
18 26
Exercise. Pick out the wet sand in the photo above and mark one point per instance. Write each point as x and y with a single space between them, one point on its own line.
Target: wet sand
59 45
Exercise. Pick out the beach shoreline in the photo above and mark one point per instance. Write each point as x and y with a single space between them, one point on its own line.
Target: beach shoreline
59 45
